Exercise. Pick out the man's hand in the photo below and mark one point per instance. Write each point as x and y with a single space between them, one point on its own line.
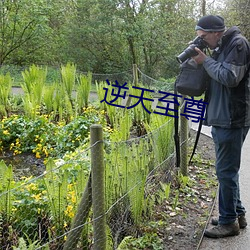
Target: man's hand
200 58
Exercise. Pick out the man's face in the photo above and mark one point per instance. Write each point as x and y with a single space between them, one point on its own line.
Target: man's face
211 38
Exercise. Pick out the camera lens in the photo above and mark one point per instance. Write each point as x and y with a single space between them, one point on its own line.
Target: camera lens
187 53
190 50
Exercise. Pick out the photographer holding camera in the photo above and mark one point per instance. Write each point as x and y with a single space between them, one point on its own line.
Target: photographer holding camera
228 112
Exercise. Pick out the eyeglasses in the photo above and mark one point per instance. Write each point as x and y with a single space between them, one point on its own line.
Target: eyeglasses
203 36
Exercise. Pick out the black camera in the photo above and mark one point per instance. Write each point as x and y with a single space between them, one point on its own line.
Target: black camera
190 51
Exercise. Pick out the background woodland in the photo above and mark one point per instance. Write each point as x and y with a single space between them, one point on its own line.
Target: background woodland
107 36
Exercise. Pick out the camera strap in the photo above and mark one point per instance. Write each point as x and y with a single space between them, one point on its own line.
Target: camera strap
201 121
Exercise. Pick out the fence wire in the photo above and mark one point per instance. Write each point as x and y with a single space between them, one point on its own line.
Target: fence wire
155 84
45 210
41 210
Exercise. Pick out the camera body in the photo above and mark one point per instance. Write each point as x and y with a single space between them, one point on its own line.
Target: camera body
190 51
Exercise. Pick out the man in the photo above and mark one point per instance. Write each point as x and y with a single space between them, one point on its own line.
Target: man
228 112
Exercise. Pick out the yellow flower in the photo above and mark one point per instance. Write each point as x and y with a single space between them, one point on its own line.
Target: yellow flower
37 196
45 151
69 211
16 152
73 199
31 187
14 209
38 156
6 132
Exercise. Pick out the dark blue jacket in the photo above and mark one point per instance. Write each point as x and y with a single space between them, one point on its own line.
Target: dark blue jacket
229 88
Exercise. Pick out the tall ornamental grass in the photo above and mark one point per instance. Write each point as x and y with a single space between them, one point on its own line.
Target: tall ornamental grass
5 90
83 91
34 80
68 75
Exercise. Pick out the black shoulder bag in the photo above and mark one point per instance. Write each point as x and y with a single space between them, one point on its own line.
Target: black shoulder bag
192 79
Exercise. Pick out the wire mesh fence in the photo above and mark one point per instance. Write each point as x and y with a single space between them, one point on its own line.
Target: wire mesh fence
152 83
46 210
57 209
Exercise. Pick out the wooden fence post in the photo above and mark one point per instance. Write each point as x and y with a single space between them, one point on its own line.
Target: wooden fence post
80 218
98 194
135 75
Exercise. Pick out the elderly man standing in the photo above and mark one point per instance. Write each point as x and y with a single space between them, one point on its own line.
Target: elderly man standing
228 113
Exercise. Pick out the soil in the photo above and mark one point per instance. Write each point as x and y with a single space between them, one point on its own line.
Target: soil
186 223
25 164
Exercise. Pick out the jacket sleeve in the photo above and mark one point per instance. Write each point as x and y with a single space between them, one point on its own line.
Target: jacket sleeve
234 66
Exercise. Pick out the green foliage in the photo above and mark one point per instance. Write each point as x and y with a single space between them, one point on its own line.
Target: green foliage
43 137
109 102
127 160
140 115
48 98
68 74
125 172
147 241
29 245
146 33
122 124
51 199
57 188
5 89
83 91
15 71
103 36
161 136
184 181
64 184
165 84
30 206
34 81
6 184
23 28
100 90
164 192
176 199
55 99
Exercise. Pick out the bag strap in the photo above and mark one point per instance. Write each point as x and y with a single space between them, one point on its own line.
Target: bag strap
176 126
196 141
197 134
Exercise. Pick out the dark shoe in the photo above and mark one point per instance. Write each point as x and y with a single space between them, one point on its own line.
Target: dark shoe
221 231
241 219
